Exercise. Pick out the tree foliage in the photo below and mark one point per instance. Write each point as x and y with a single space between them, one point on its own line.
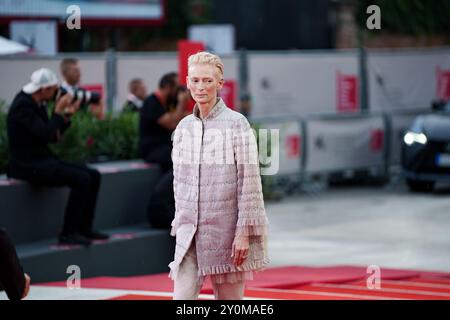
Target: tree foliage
413 17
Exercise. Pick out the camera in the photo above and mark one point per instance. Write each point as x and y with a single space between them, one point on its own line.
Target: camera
85 96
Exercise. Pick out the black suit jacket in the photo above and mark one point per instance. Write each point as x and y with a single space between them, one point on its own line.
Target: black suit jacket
152 136
29 132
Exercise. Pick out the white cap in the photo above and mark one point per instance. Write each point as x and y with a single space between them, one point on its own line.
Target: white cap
40 79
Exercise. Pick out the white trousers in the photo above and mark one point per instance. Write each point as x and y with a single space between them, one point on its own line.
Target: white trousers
187 285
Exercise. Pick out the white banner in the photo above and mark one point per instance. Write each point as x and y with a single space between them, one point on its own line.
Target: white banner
339 144
92 9
40 37
302 83
408 79
218 38
289 145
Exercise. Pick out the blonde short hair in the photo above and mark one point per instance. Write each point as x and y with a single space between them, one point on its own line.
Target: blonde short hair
207 58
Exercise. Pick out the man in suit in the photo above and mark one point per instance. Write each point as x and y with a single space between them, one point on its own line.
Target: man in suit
136 96
71 73
30 130
13 280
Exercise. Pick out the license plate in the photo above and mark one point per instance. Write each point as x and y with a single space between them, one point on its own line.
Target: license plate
443 160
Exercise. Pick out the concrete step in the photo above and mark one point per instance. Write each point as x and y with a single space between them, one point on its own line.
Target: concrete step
134 250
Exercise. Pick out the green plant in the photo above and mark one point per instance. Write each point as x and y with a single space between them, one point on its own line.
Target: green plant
73 146
116 137
88 139
92 140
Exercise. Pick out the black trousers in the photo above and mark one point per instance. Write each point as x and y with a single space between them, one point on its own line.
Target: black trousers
162 156
12 278
83 182
161 207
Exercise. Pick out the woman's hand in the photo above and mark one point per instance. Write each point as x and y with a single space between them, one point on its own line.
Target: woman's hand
240 249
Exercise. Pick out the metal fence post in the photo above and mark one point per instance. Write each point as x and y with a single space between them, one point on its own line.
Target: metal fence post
111 79
387 143
304 150
362 68
244 93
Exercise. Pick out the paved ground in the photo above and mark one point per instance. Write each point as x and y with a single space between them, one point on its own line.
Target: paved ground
386 226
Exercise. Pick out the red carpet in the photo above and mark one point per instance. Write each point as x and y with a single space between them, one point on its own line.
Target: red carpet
298 283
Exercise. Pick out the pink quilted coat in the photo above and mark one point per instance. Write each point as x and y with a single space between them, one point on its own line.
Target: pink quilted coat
218 194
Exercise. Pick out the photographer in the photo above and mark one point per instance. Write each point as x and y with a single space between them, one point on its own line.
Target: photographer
30 131
71 72
157 121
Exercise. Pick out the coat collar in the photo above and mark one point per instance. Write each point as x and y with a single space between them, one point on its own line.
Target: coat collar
215 111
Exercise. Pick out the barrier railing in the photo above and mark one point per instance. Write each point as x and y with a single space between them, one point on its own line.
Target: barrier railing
324 144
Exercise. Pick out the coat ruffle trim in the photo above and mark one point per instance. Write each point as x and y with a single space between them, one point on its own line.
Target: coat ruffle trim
233 277
252 226
219 278
230 268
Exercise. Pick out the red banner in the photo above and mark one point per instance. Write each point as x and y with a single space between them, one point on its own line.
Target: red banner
228 93
293 146
347 92
443 84
377 140
187 48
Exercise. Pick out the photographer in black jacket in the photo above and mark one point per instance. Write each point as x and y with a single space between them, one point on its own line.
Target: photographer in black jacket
29 132
156 124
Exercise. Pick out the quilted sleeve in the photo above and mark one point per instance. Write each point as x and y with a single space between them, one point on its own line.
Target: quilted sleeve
252 219
176 159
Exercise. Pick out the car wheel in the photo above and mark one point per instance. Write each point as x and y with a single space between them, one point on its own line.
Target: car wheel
420 186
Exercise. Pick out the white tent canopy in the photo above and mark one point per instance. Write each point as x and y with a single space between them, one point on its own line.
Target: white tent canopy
10 47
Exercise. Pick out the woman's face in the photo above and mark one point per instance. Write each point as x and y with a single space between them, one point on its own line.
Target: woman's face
203 83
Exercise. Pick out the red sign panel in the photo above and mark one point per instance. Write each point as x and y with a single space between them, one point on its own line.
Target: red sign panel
347 92
377 140
228 93
187 48
443 84
293 146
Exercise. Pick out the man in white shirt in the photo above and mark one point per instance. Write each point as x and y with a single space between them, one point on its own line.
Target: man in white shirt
71 73
136 96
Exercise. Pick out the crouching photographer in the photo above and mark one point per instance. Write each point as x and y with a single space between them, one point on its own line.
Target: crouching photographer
30 130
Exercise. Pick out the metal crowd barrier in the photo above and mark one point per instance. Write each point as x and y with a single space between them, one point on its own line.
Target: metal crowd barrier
325 144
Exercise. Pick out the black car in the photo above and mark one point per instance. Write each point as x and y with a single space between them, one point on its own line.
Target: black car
426 149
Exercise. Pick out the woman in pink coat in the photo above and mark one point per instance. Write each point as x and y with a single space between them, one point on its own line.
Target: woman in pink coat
220 220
